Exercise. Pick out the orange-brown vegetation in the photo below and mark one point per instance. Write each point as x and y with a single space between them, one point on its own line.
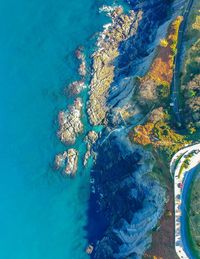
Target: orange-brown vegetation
142 134
161 70
156 83
159 135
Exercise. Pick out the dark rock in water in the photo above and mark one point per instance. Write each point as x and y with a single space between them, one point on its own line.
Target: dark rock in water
125 203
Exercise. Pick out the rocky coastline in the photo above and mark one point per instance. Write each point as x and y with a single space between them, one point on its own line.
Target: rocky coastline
125 173
126 199
122 27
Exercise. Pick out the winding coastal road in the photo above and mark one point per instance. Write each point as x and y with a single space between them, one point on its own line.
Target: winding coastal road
177 64
182 182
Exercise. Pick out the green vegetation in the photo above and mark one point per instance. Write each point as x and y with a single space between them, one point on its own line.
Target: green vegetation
185 164
190 76
194 215
196 24
163 91
192 62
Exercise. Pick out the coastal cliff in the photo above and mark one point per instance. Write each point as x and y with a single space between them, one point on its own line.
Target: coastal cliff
127 198
129 135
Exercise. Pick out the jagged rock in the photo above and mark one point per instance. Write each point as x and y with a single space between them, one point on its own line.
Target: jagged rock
70 123
67 161
90 139
122 27
72 161
60 160
87 156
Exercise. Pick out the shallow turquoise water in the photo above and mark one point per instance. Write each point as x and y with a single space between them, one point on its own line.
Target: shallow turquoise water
42 214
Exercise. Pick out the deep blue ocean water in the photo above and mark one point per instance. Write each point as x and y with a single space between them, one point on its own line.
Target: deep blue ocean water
42 213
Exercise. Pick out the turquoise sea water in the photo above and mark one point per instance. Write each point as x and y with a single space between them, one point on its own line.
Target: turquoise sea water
42 214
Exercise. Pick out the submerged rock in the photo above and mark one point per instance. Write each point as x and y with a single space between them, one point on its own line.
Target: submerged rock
82 67
60 160
75 87
89 249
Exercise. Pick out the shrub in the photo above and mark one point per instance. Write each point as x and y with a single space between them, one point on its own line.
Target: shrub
163 43
196 24
191 93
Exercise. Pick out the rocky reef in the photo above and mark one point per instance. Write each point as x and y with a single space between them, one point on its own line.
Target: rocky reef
132 72
70 123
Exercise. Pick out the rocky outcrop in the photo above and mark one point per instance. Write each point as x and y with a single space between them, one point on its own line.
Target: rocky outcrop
60 160
90 140
67 161
122 27
72 160
70 123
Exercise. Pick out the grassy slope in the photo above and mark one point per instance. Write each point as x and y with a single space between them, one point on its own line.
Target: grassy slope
194 215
